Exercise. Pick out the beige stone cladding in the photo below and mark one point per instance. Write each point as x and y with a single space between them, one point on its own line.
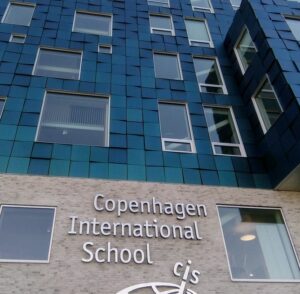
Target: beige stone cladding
67 273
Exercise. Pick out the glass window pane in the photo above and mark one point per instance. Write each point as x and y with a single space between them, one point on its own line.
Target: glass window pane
176 136
236 3
207 73
163 3
97 24
267 105
258 244
294 25
204 4
58 64
19 14
74 119
197 32
167 66
161 24
16 38
25 233
246 50
220 125
2 103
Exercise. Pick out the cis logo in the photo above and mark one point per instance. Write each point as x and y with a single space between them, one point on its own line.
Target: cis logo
187 275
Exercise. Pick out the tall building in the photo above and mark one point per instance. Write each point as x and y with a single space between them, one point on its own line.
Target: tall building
150 146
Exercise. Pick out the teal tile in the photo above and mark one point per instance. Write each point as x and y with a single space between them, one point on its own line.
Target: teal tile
3 163
136 173
117 171
79 169
173 175
227 178
155 174
224 163
22 149
209 177
262 181
99 170
136 156
39 166
61 151
59 167
26 133
42 150
191 176
5 147
134 115
99 154
80 153
18 165
189 160
7 132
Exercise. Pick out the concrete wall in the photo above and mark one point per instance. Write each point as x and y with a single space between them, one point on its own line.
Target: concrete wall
66 273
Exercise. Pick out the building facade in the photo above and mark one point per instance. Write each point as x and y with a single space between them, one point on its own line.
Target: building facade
149 146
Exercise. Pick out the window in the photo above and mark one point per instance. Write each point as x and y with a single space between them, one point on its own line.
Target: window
202 5
18 13
235 4
58 63
167 66
266 105
175 128
161 24
209 75
2 103
17 38
223 131
26 233
164 3
244 50
92 23
294 24
105 49
74 119
198 33
258 244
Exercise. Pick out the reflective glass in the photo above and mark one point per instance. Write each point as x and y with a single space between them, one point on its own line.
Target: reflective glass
17 38
25 233
208 74
93 23
197 32
201 4
19 14
2 103
294 25
164 3
258 244
74 119
267 104
220 125
167 66
236 3
246 50
161 24
58 64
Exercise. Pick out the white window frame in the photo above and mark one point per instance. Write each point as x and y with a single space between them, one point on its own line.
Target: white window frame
178 62
288 233
95 14
15 35
235 125
244 30
210 42
12 3
1 110
191 142
203 9
223 86
105 46
157 30
234 7
158 3
257 110
107 133
293 17
51 238
59 50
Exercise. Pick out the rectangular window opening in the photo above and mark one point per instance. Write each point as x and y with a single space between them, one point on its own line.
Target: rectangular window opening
58 63
258 244
198 32
163 3
176 137
18 13
161 24
2 104
17 38
107 49
223 131
202 5
26 233
70 118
